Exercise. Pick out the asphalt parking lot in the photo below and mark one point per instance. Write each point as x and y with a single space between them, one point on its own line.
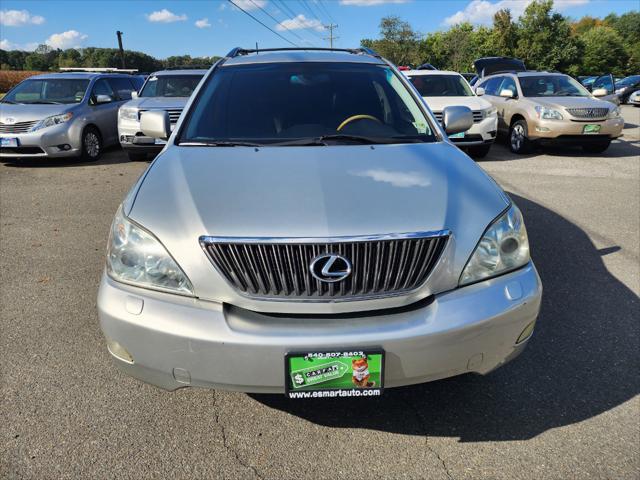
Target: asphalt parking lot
566 408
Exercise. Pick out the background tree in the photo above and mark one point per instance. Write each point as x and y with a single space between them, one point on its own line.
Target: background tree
545 41
504 34
398 42
604 51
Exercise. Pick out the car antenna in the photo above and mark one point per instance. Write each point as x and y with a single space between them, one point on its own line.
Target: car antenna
257 51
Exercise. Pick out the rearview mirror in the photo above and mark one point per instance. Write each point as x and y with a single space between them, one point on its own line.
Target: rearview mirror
600 92
506 93
134 94
479 91
457 119
103 99
155 124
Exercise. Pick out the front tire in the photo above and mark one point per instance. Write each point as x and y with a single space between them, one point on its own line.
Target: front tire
480 151
596 147
518 138
91 145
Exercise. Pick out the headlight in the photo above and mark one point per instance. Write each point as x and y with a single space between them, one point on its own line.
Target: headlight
128 114
615 113
620 90
490 111
504 246
548 113
136 257
54 120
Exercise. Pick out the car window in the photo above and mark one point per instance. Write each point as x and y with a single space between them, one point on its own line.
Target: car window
552 86
491 85
122 86
170 85
296 101
508 84
441 85
59 90
101 87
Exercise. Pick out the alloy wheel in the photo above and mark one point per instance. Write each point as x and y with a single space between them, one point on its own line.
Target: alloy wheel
92 144
517 137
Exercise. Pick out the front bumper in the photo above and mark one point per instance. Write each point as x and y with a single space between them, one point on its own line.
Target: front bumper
133 140
58 141
177 341
481 133
567 129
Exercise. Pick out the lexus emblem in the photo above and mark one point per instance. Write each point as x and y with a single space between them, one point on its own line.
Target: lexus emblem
9 121
330 268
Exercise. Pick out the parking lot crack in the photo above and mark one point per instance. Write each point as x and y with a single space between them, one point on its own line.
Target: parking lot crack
225 440
429 447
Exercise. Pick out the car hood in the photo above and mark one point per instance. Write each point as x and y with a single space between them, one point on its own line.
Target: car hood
437 104
331 191
26 113
570 102
152 103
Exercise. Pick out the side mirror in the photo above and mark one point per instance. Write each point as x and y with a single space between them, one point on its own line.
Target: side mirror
103 99
134 94
155 124
479 91
506 93
457 119
600 92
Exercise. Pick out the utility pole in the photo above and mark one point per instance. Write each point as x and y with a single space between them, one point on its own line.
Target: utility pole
119 34
331 36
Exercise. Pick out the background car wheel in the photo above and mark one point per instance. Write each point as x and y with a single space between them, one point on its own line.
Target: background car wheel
596 147
91 144
480 151
137 156
518 139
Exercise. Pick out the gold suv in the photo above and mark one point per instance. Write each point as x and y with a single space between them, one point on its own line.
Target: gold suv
550 108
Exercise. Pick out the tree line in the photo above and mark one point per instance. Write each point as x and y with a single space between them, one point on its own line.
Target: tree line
45 58
542 37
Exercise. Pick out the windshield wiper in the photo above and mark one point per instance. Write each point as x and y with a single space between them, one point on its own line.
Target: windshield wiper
9 101
43 102
220 143
324 139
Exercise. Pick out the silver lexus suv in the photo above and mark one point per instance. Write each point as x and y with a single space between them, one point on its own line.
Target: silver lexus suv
63 114
167 90
309 229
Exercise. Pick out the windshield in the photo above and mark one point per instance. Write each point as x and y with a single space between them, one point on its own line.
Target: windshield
628 81
280 102
53 91
170 85
441 85
551 86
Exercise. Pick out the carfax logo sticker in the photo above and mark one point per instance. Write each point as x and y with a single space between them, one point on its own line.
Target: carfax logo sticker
314 375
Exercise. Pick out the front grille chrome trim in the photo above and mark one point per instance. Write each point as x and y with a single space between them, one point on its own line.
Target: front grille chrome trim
277 268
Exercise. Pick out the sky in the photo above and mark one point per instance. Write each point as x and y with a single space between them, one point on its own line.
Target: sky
213 27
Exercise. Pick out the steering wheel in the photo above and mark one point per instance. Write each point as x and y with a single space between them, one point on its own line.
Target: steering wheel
354 118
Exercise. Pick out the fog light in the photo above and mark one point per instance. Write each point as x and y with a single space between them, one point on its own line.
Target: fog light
119 351
64 146
542 129
526 333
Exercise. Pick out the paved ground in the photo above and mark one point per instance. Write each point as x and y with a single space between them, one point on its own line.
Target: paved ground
567 408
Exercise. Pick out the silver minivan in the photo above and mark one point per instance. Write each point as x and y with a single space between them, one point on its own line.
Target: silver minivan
56 115
309 228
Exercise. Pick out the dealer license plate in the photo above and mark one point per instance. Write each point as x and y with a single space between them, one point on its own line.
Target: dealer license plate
340 373
590 129
8 142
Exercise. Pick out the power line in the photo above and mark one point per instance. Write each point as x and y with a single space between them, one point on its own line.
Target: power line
277 21
265 26
326 10
315 8
283 4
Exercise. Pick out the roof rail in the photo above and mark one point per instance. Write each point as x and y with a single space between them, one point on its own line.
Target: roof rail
187 67
357 51
98 70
